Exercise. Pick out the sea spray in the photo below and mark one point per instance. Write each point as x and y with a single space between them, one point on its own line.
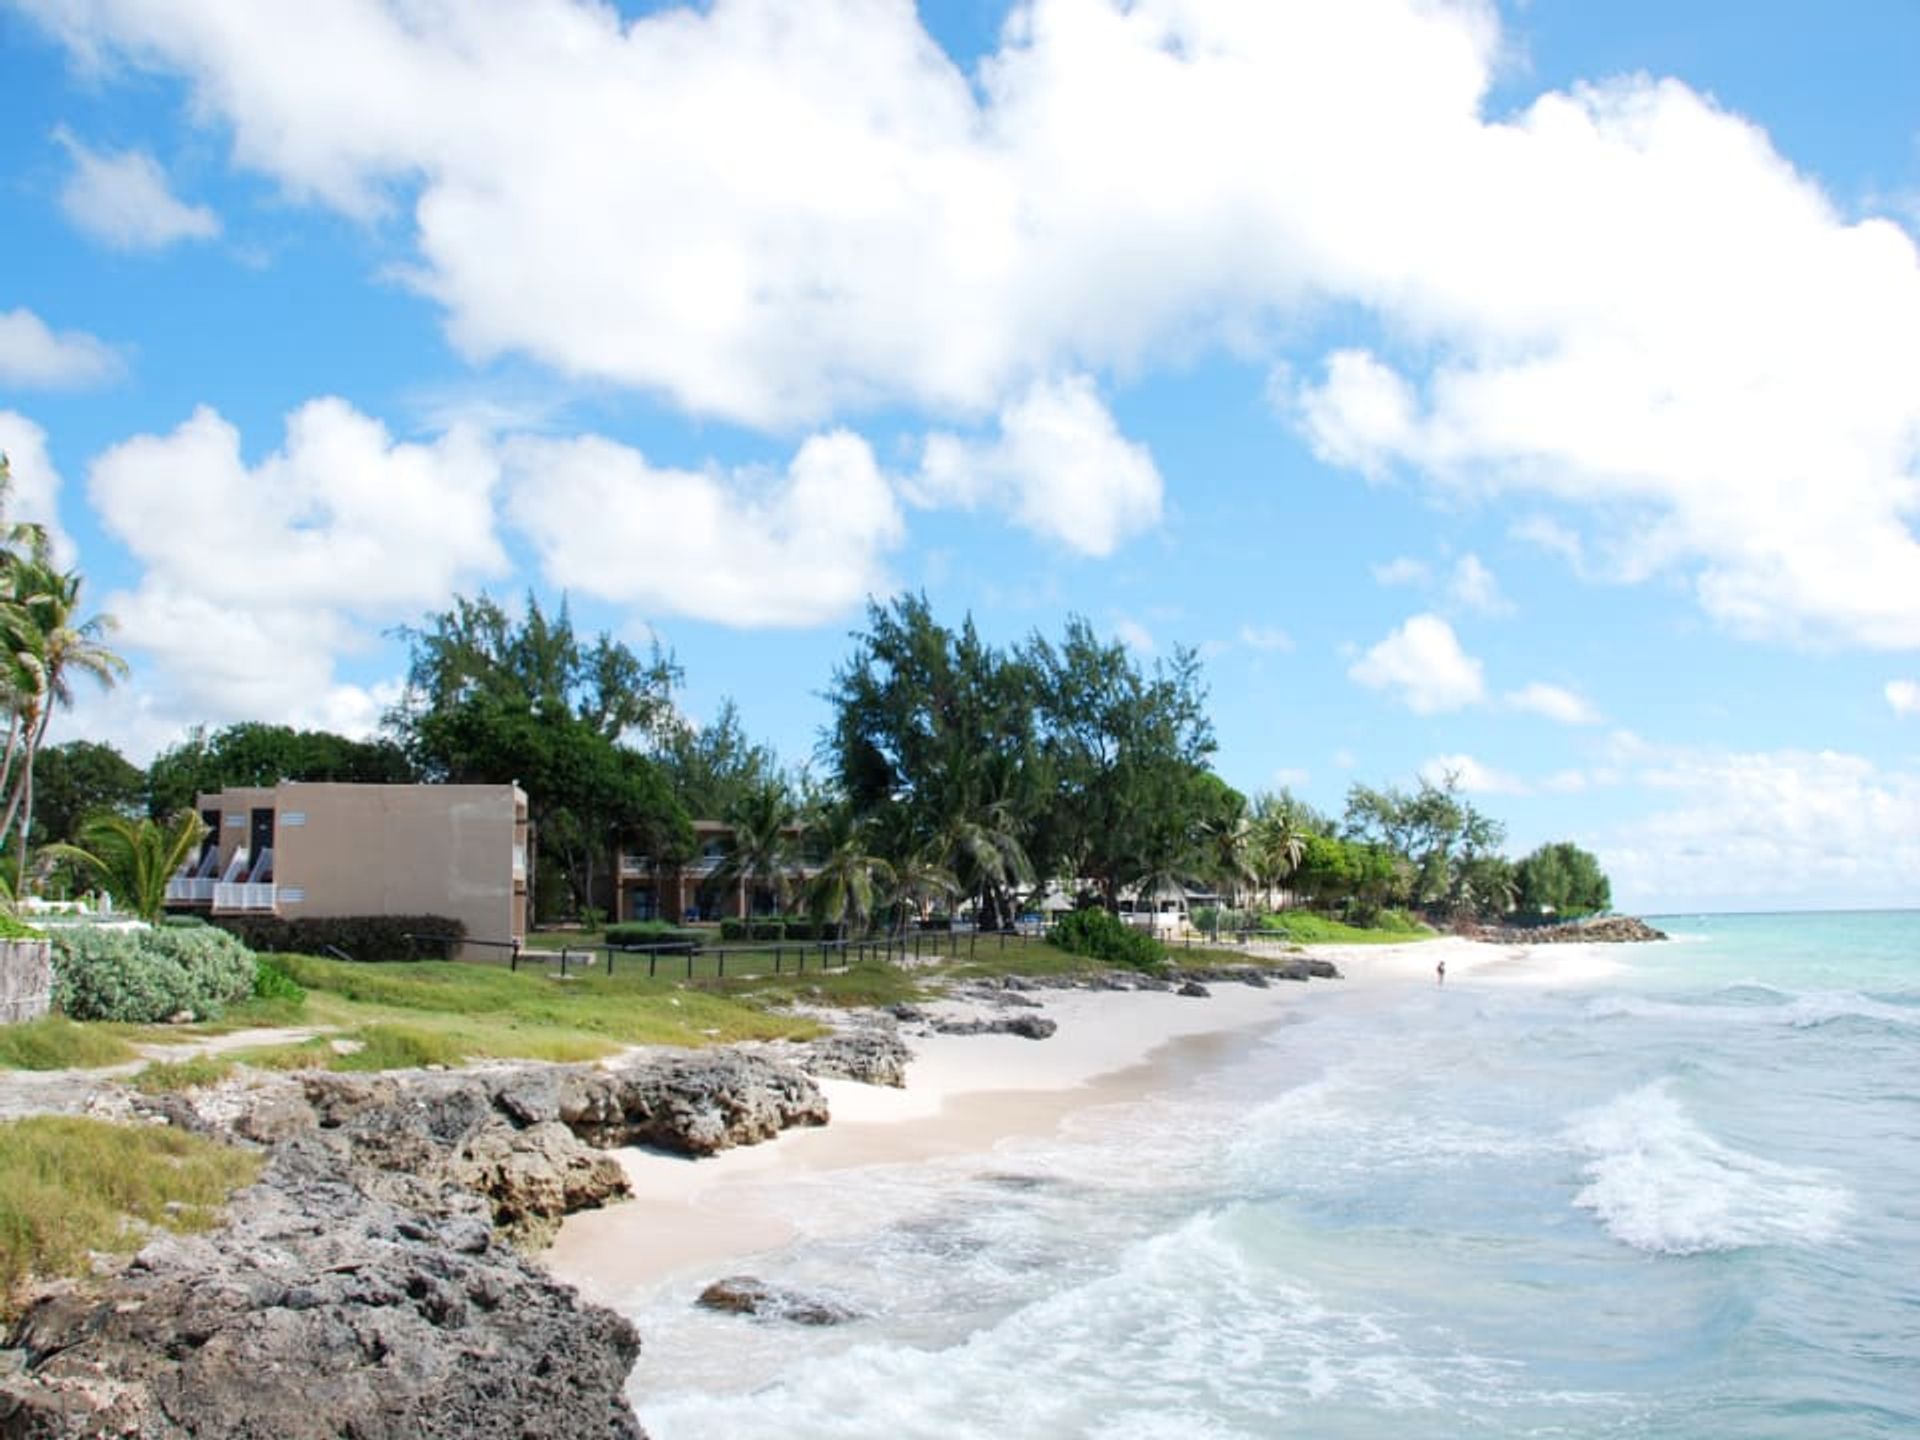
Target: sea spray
1660 1183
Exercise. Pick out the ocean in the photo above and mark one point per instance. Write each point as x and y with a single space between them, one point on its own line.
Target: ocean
1673 1195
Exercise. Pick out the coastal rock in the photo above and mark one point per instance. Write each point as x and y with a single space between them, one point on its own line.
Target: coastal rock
1195 989
749 1295
694 1104
1028 1026
321 1310
872 1057
1604 930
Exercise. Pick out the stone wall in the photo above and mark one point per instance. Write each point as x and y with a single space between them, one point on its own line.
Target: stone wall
26 979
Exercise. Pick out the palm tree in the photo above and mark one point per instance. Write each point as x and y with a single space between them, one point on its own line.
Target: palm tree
851 879
1279 843
134 859
46 646
765 823
1226 855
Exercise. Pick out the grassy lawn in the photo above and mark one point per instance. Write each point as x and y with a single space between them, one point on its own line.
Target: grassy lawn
57 1043
1303 928
71 1188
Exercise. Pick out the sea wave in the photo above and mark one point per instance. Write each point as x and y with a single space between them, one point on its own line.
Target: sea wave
1761 1005
1661 1184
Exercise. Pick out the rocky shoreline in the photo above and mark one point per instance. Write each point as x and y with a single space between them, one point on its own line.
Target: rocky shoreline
373 1281
1606 930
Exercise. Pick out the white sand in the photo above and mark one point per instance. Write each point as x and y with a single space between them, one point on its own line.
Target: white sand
965 1093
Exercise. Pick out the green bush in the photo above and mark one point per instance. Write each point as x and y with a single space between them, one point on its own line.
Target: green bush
360 937
183 922
12 928
145 976
651 932
766 929
272 982
1101 935
733 930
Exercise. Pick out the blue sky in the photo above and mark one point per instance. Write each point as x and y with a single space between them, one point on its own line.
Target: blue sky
1521 391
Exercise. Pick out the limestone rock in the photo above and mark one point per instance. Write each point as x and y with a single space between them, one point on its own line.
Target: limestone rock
748 1295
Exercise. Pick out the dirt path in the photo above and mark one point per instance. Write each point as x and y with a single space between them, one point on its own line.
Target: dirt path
73 1092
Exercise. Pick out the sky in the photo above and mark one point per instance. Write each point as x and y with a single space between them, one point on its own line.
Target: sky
1528 393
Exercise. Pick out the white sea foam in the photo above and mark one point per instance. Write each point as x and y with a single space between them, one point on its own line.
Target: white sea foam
1660 1183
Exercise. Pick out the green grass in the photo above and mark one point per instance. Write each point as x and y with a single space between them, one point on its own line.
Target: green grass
193 1073
1309 929
488 1010
71 1188
57 1043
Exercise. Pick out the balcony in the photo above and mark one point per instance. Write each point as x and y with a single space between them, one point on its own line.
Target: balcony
519 862
243 896
185 890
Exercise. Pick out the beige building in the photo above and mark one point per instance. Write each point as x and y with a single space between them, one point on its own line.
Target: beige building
310 850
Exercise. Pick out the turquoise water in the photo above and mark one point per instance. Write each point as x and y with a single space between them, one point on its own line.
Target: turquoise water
1682 1200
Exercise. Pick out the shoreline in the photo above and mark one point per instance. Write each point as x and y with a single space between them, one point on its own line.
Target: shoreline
965 1095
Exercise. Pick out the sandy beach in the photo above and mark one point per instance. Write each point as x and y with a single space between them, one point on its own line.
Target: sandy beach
966 1094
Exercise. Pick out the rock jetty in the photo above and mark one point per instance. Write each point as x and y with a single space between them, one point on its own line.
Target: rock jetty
1604 930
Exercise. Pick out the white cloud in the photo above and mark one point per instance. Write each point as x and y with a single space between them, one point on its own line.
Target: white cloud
1402 570
743 548
1060 467
1904 696
1472 776
258 578
1265 637
1135 636
1554 702
1473 587
1550 535
121 199
1291 777
36 484
1767 829
1423 663
33 354
1619 300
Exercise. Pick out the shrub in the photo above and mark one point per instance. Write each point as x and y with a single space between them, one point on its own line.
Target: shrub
733 929
12 928
272 982
146 976
651 932
360 937
766 929
183 922
1101 935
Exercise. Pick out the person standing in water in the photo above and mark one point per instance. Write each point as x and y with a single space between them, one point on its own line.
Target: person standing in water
1440 972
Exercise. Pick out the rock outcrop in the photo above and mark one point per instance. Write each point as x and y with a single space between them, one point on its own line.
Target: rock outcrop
321 1310
1026 1024
749 1295
872 1056
360 1288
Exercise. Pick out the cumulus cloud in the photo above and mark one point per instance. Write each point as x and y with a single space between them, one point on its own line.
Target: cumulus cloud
1617 300
1904 696
1472 776
256 578
31 354
1135 636
1265 637
1473 586
1425 668
1766 829
744 547
1060 467
1402 570
35 497
121 199
1554 702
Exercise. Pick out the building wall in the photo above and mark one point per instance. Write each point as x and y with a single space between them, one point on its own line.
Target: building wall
236 809
342 849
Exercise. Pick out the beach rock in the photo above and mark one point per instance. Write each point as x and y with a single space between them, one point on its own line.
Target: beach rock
1257 980
748 1295
1195 989
1028 1026
321 1310
695 1104
1603 930
873 1057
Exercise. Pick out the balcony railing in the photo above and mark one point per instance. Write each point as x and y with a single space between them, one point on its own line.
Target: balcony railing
182 890
243 897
